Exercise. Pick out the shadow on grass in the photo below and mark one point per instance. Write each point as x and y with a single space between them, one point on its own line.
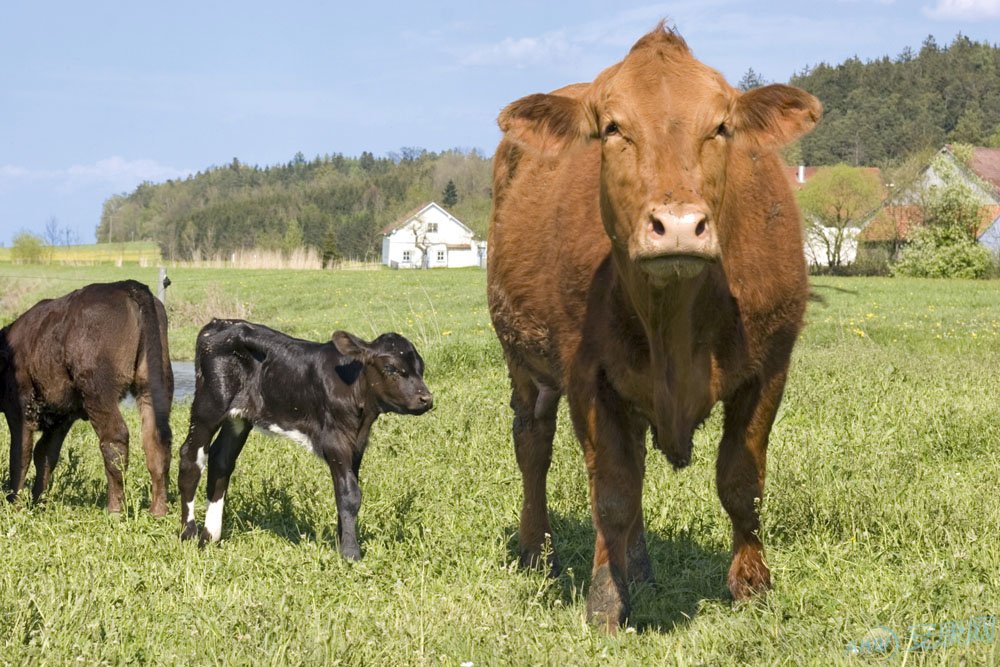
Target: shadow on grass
685 573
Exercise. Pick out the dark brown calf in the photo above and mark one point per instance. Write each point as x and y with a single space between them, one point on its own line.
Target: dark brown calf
646 261
75 357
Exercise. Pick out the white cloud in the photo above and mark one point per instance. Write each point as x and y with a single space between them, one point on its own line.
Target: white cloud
115 174
964 10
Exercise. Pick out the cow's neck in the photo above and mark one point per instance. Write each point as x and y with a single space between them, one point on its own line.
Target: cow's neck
680 365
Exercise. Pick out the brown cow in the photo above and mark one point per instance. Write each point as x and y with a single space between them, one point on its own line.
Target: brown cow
646 260
75 357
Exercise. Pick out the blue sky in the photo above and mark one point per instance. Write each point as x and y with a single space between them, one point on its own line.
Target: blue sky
96 97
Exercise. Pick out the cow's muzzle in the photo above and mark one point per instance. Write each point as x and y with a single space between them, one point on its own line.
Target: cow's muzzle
675 242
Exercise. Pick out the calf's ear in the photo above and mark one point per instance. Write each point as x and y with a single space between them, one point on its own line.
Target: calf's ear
349 345
776 115
547 124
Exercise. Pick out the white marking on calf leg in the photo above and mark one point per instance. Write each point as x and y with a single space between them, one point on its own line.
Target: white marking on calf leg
189 516
213 518
202 458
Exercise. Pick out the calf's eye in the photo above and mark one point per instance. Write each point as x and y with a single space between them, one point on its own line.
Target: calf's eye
611 129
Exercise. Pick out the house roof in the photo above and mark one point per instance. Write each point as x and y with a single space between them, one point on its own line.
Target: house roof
895 223
985 163
415 213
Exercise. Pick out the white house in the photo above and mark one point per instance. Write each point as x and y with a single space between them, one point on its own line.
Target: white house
430 237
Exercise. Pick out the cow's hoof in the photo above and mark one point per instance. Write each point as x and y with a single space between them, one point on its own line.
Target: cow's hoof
607 600
548 563
748 575
190 531
640 570
11 498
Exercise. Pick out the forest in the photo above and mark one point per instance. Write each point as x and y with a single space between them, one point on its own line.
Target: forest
877 113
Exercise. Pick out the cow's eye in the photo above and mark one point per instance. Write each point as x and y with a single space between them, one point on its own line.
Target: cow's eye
389 369
611 129
721 131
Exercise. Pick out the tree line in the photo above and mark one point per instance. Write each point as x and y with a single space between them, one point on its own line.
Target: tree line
335 203
876 113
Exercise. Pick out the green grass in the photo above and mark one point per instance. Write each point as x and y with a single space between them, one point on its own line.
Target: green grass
133 252
879 508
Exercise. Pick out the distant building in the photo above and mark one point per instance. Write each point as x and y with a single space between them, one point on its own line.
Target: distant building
430 237
818 238
892 225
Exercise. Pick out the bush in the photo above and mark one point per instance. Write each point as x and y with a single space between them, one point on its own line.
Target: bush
937 252
27 249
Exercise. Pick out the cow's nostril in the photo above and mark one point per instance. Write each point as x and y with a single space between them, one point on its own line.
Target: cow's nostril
700 229
656 226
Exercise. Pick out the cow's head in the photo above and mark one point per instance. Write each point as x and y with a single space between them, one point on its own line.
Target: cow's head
394 369
668 126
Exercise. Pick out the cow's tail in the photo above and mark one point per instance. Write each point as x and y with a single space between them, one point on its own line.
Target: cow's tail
160 390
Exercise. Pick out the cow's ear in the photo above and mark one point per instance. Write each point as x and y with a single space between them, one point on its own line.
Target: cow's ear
775 115
548 124
349 345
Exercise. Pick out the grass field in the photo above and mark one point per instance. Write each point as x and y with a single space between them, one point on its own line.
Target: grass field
880 513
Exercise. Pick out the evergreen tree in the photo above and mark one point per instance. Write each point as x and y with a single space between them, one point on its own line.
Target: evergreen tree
450 195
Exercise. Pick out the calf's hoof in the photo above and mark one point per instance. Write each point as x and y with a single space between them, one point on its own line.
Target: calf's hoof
158 509
189 532
351 553
607 600
205 538
748 575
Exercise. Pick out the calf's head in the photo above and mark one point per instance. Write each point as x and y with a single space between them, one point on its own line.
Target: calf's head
668 126
394 370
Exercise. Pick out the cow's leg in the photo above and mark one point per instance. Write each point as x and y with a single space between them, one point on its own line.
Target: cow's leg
614 450
47 454
640 569
535 411
347 490
157 451
740 469
21 439
221 463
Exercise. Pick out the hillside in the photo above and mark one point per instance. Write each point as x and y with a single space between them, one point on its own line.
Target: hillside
332 202
880 111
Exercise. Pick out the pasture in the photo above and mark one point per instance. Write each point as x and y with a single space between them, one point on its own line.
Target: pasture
880 507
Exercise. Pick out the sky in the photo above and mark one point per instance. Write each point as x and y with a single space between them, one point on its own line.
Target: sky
97 97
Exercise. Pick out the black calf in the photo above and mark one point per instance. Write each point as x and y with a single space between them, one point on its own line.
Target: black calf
325 396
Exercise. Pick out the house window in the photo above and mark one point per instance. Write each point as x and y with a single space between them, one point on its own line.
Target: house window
406 255
432 226
440 255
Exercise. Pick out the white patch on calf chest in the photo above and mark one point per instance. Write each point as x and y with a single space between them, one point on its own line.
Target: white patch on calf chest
296 436
213 518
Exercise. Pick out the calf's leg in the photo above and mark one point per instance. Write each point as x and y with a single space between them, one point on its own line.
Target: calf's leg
193 457
47 454
740 470
157 451
21 439
221 463
112 433
344 468
535 411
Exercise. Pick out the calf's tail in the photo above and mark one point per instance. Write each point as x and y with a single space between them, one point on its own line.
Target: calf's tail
154 347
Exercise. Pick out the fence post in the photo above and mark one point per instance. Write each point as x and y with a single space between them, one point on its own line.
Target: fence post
161 285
